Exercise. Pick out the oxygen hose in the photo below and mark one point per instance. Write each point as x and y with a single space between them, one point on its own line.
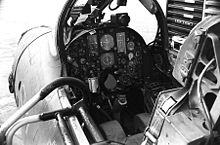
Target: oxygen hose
74 82
202 101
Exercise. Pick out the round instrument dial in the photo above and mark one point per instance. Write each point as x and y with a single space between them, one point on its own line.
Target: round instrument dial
107 59
107 42
130 46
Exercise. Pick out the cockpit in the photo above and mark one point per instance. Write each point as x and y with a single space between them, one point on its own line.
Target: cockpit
123 72
121 81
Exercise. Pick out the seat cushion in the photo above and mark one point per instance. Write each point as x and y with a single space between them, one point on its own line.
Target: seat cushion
135 139
113 131
141 121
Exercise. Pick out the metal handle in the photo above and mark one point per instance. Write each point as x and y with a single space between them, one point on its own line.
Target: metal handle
40 96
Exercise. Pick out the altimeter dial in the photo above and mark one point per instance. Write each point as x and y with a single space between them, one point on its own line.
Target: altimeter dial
107 42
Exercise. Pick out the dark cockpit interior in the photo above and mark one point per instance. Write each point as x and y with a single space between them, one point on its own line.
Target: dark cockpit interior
123 73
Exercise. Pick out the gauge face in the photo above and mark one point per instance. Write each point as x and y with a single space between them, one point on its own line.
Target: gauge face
121 42
107 59
92 43
130 46
107 42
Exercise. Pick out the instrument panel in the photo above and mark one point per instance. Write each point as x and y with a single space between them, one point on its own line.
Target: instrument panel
113 50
